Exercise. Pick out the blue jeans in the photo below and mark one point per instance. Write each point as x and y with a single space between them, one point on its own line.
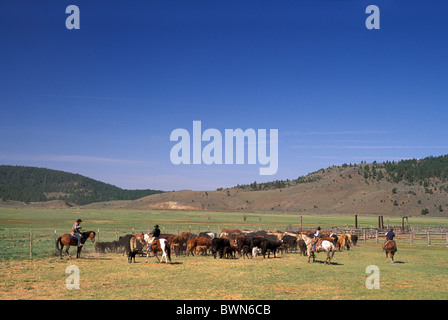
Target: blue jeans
153 239
79 237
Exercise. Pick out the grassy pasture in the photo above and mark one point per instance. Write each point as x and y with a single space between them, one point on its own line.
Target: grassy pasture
420 271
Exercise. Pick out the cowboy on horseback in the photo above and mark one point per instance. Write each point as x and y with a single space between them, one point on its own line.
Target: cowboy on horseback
155 234
389 237
317 237
76 231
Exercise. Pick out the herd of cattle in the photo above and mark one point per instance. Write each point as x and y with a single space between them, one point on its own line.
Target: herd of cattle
229 244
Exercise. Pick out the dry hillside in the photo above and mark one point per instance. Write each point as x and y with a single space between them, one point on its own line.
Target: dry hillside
333 190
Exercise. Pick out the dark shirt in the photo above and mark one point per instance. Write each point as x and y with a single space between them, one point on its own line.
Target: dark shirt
390 235
155 232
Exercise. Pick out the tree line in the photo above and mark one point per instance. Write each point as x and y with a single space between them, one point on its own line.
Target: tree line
32 184
414 170
411 171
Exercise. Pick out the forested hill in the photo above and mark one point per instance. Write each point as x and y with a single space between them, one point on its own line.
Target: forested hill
31 184
421 171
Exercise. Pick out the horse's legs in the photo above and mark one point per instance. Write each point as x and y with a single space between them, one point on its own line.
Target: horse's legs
68 253
164 253
60 250
155 255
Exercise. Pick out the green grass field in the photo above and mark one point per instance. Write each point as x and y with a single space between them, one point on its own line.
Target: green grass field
420 271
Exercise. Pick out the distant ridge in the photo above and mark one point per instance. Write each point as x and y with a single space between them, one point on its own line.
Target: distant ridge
32 184
404 188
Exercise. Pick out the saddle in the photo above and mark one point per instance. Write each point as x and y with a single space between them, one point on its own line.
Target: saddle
317 244
72 236
153 244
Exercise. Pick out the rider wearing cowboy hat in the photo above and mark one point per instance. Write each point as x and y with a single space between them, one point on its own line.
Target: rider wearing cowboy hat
317 236
155 236
76 231
389 237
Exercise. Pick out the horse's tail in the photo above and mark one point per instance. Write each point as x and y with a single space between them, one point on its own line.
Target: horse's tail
57 244
168 250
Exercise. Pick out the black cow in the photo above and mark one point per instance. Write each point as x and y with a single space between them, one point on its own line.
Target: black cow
268 245
124 242
229 252
245 251
241 242
289 242
256 242
220 245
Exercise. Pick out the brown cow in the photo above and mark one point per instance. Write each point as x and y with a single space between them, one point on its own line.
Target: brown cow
343 241
202 249
230 233
178 244
195 242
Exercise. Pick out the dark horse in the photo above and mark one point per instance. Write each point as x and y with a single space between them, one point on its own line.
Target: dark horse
67 240
390 247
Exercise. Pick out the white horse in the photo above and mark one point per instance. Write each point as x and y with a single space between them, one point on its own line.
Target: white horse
162 245
325 245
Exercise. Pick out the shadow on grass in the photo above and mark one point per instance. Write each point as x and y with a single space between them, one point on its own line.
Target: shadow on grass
331 263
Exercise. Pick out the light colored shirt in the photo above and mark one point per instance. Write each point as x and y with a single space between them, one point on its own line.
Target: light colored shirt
76 227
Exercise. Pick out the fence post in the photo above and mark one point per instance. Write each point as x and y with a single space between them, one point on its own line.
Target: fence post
429 238
31 244
376 236
446 237
98 237
55 239
411 238
364 235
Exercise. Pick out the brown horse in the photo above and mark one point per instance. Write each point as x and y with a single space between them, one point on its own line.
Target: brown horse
67 240
390 247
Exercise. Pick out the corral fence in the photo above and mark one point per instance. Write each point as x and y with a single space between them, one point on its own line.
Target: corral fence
20 243
414 235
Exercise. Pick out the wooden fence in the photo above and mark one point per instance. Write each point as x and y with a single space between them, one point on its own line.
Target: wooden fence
41 242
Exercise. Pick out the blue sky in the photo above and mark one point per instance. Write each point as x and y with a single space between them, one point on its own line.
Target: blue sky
102 101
